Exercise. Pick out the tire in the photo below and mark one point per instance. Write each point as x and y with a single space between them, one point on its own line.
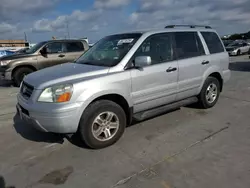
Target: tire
19 74
204 102
87 126
238 52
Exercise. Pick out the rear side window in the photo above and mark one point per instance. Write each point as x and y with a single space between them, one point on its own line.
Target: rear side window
213 42
188 45
74 47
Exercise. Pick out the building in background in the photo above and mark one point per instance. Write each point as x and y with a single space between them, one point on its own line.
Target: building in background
13 45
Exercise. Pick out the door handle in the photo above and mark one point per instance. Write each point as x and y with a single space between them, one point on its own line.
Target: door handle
61 55
205 62
171 69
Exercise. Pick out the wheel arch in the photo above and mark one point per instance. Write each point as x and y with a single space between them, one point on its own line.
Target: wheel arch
121 101
213 71
21 66
116 97
218 76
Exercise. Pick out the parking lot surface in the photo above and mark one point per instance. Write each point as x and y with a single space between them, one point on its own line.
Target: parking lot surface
188 147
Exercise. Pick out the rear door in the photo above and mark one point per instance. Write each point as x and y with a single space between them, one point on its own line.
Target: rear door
191 60
72 50
218 55
156 84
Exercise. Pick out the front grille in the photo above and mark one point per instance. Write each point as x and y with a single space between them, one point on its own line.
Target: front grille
26 90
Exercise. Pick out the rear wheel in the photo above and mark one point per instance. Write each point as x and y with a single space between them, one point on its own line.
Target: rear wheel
19 74
102 124
210 93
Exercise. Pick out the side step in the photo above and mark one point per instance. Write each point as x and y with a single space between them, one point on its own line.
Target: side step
163 109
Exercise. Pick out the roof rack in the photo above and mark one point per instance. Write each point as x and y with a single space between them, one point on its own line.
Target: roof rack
191 26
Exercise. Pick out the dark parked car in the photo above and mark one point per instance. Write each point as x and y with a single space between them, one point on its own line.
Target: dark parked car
44 54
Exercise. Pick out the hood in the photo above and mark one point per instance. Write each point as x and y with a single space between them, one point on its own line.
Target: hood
64 73
231 48
15 56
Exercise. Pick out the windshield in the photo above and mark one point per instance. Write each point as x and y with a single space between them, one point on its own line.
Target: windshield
109 51
35 48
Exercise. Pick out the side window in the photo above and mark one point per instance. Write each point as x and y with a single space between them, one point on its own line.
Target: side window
158 47
55 47
73 47
188 45
213 42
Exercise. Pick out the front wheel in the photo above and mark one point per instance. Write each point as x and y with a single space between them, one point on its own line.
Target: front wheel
102 124
238 52
19 74
210 93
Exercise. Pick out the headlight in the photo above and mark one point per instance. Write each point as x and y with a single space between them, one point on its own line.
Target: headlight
57 94
4 63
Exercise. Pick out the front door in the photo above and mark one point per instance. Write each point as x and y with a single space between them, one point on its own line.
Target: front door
54 55
245 47
156 84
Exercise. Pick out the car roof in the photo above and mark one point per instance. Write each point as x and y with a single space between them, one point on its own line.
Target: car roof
155 31
65 40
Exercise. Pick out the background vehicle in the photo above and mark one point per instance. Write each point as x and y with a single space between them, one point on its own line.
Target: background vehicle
131 75
237 48
21 51
5 52
44 54
227 42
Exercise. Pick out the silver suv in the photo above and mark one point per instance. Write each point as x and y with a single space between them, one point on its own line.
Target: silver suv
123 77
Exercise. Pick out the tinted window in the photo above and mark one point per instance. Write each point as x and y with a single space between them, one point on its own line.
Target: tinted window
54 47
74 47
158 47
188 45
213 42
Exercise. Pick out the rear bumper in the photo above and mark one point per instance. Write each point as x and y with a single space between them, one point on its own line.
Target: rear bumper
56 120
226 75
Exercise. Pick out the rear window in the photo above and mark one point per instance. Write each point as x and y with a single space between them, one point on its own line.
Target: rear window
188 45
213 42
74 47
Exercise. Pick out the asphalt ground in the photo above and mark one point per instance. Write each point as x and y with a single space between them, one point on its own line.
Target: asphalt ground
186 148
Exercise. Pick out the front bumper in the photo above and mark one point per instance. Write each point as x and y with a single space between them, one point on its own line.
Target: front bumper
5 75
226 75
232 53
55 118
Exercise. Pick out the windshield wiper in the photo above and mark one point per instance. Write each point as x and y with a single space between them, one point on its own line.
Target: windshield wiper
94 64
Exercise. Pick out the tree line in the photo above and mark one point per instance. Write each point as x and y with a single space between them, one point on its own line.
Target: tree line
238 36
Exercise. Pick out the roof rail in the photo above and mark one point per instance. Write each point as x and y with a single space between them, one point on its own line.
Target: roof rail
191 26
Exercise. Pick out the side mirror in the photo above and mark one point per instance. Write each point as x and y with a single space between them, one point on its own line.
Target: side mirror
143 61
43 51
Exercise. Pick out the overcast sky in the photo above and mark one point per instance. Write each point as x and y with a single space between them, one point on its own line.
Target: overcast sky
42 19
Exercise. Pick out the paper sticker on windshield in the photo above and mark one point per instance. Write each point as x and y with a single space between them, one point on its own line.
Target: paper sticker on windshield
123 41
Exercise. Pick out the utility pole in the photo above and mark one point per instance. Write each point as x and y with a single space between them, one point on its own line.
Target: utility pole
67 27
